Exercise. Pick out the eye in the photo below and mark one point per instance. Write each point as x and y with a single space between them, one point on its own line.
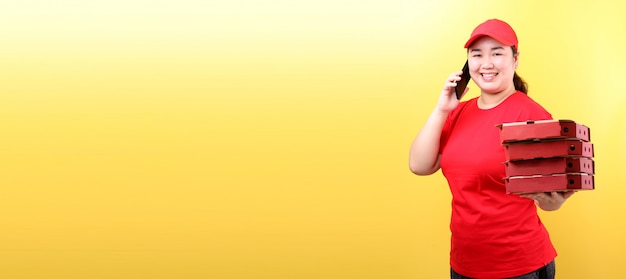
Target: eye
476 55
497 54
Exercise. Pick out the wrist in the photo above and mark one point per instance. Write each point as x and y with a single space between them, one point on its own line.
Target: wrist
441 112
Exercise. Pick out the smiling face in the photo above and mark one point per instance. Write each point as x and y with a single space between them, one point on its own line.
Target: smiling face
492 65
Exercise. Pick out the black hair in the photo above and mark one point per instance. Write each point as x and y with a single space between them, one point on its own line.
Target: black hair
520 84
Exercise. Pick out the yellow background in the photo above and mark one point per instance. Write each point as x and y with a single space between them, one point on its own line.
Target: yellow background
269 139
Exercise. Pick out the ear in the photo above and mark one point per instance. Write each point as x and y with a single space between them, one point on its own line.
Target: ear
516 59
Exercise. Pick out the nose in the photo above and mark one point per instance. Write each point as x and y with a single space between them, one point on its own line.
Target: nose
487 64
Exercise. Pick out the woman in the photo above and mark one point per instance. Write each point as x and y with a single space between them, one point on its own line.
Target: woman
494 234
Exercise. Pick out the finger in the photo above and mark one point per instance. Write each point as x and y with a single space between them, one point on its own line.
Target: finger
539 196
568 194
454 77
561 195
452 81
450 85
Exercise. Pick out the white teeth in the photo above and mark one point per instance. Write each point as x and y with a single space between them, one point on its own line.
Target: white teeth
489 75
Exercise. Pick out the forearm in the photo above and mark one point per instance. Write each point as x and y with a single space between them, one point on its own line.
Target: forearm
424 153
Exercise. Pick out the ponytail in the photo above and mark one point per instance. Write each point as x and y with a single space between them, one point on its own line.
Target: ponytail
520 84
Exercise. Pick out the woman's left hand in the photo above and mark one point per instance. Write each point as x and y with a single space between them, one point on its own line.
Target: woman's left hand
549 201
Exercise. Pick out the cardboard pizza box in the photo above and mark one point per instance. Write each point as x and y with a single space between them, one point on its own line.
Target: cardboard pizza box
550 166
549 183
548 149
543 129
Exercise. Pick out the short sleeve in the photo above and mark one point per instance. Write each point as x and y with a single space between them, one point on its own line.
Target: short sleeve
449 125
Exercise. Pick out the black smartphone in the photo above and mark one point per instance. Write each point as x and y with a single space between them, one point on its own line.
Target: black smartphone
462 84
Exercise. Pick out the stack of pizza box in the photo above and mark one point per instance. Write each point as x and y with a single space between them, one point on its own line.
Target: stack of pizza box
547 156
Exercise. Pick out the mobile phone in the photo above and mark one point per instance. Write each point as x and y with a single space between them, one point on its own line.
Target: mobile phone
462 84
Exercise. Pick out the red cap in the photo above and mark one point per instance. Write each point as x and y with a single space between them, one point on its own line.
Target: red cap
497 29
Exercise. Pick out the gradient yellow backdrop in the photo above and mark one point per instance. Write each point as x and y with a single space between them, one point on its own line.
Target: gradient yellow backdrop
269 139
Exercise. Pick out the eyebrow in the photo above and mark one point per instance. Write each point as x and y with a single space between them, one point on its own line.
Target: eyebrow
493 48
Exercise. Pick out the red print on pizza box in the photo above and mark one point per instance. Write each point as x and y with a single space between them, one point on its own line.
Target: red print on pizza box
550 166
543 129
548 149
549 183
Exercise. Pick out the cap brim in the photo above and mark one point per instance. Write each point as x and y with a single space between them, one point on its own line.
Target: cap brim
477 36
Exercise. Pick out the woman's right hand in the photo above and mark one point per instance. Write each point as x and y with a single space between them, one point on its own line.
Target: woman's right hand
447 99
